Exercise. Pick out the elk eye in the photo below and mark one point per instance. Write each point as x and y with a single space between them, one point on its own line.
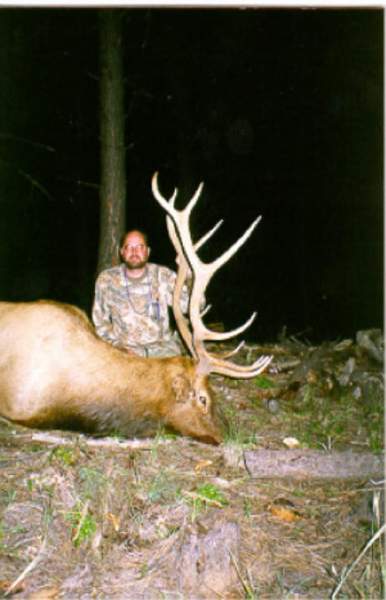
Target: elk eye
203 400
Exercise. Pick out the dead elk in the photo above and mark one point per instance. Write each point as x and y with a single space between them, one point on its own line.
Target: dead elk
55 372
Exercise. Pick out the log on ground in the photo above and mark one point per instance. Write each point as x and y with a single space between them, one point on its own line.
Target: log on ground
314 464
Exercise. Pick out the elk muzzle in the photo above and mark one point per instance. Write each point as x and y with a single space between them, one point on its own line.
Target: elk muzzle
193 412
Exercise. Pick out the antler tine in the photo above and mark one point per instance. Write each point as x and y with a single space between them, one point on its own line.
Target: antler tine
208 334
192 202
168 205
224 355
234 351
206 310
224 367
208 235
233 249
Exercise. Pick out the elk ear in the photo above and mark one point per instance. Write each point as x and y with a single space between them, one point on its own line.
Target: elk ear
181 388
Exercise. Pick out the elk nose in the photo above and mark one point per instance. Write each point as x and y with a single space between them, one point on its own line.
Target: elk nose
213 436
208 439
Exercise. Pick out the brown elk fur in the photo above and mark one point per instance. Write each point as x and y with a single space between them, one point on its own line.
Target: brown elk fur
56 372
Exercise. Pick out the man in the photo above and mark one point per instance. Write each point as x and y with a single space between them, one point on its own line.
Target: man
131 302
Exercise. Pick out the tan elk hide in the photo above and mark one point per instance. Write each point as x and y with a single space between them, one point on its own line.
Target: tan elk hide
55 372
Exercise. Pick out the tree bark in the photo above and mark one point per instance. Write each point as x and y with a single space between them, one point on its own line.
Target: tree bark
112 139
312 464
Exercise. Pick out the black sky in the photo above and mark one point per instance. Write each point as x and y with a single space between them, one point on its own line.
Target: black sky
279 112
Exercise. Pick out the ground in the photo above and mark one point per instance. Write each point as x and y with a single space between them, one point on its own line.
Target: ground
173 518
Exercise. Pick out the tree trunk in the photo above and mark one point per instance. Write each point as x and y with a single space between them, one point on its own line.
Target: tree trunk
204 563
112 139
310 464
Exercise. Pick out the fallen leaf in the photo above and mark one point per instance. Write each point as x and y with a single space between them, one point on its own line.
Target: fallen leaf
48 593
114 519
312 376
284 513
5 584
202 464
291 442
241 405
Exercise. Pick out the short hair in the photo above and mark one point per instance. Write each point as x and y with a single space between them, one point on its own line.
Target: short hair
140 231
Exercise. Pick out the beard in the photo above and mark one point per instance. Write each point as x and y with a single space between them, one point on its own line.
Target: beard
135 264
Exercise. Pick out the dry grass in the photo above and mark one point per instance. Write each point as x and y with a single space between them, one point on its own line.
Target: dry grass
93 521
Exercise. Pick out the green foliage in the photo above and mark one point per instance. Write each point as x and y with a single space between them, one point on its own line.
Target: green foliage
208 491
374 424
163 433
247 508
82 523
64 455
236 432
205 495
7 496
263 382
116 434
6 550
323 421
91 480
162 488
144 570
376 439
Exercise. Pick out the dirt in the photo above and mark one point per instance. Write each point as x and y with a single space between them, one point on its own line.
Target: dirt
172 518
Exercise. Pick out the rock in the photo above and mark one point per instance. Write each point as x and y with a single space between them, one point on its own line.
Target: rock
347 371
371 387
272 405
371 340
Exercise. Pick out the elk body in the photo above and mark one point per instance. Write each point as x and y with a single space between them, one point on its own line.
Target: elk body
55 372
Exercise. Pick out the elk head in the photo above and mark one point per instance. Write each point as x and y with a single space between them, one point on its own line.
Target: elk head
193 330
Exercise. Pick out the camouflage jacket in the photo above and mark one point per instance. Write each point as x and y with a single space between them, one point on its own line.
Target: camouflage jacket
133 313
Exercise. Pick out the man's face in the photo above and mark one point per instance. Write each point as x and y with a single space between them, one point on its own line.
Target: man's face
134 250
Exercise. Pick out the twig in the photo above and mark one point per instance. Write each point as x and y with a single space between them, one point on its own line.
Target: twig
287 365
145 444
89 184
376 536
36 184
28 568
33 181
247 589
17 138
83 516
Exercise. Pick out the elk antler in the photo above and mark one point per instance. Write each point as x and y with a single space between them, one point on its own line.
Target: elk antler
188 259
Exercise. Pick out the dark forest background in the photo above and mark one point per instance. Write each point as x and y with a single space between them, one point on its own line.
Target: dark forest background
279 112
